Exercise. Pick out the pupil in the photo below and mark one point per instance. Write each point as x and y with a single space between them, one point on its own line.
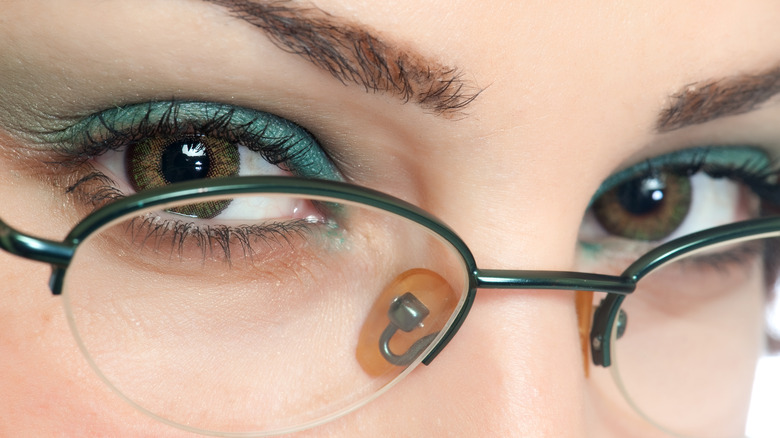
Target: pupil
185 160
642 195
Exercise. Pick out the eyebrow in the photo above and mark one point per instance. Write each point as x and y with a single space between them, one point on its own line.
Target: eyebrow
352 54
704 101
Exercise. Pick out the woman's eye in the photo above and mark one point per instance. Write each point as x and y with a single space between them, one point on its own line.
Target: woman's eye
158 162
646 208
161 161
147 146
671 196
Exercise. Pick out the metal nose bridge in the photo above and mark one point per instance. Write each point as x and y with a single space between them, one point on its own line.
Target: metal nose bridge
558 280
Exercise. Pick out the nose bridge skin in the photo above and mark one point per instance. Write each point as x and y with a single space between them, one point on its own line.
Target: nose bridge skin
508 280
522 349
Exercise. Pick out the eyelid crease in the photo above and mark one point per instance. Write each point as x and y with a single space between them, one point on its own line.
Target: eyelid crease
746 162
278 140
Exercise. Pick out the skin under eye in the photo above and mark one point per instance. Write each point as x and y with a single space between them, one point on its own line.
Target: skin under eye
151 145
674 195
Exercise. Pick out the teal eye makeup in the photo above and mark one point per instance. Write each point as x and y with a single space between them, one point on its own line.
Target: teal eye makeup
162 143
279 141
739 162
147 146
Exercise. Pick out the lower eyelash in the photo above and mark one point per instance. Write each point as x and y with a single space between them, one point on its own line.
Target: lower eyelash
180 238
740 255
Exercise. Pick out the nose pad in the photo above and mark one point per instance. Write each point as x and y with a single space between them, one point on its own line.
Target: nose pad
404 319
584 307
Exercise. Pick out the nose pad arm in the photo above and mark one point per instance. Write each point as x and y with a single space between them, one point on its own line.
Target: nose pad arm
405 317
405 313
597 333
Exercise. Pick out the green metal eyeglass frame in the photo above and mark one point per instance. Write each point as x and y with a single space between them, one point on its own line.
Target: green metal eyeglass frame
60 254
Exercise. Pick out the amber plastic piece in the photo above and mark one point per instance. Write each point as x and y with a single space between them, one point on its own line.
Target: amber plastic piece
428 287
584 305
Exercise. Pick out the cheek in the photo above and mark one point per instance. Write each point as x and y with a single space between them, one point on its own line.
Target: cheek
37 354
36 349
47 388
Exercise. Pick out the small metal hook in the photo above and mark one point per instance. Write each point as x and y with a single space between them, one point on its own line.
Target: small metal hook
405 313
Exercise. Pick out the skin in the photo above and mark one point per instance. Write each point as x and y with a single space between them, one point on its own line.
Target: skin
572 92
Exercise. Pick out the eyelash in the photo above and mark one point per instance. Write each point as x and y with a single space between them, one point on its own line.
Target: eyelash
76 147
99 134
220 126
760 176
750 167
175 234
756 177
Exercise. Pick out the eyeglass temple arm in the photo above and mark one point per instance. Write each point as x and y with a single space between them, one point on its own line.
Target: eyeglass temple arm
57 254
33 248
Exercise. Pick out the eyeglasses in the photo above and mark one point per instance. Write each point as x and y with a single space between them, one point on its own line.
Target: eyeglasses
265 305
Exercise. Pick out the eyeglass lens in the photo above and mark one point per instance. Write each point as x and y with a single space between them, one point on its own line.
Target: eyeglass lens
176 311
695 331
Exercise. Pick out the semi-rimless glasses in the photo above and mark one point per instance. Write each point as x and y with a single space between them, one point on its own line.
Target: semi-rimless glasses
333 293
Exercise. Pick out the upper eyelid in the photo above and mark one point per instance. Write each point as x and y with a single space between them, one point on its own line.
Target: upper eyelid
154 114
277 138
747 158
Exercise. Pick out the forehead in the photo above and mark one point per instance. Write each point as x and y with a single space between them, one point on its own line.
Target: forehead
541 66
535 51
538 62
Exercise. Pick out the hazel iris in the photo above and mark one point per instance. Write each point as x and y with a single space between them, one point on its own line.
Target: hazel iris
647 208
161 161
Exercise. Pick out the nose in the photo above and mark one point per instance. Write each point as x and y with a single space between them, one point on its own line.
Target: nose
522 352
513 369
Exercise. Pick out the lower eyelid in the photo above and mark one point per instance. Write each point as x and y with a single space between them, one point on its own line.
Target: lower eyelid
246 208
610 256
